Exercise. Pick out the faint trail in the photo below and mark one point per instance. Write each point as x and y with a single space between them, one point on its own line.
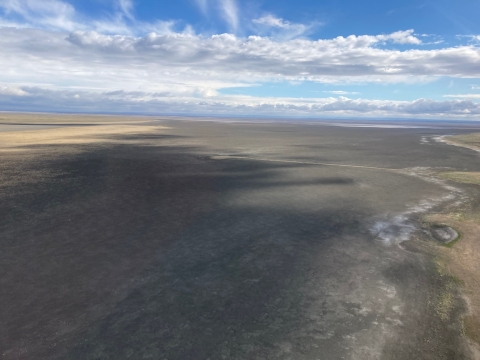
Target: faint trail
230 157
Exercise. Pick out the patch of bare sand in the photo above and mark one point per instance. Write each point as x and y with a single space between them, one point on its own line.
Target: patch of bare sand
10 141
62 119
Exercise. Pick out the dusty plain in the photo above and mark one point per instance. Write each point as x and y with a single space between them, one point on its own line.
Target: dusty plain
161 238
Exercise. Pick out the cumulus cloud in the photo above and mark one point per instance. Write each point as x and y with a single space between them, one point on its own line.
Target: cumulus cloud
303 59
401 37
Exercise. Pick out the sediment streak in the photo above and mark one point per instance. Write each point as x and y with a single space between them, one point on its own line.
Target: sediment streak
231 157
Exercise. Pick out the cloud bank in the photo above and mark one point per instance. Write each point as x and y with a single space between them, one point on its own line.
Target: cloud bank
38 99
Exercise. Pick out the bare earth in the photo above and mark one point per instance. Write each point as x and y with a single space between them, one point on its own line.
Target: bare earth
156 238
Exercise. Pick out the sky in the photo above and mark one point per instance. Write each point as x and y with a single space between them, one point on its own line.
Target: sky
302 59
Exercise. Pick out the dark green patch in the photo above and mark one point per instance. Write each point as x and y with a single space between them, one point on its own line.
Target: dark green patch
453 242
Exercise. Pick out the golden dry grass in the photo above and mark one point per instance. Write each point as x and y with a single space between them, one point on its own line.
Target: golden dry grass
462 177
470 141
69 135
61 119
82 129
462 261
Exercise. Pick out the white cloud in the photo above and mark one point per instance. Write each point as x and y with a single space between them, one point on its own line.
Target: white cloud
126 6
341 92
280 28
192 65
202 4
401 37
12 91
49 14
270 20
300 59
228 10
57 15
463 96
230 13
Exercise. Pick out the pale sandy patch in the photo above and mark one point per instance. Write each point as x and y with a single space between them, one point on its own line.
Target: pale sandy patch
69 119
71 135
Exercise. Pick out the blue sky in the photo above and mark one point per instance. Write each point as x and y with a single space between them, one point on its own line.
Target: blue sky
326 59
445 18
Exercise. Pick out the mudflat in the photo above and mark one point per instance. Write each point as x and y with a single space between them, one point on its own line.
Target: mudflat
187 239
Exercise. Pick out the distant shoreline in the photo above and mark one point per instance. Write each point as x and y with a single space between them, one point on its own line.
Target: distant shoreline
354 121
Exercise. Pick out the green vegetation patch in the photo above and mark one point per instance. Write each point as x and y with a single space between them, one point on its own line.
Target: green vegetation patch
469 139
455 234
445 297
453 242
462 177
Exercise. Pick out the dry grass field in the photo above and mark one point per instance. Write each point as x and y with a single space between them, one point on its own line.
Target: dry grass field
46 129
462 177
69 135
470 141
463 259
7 118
